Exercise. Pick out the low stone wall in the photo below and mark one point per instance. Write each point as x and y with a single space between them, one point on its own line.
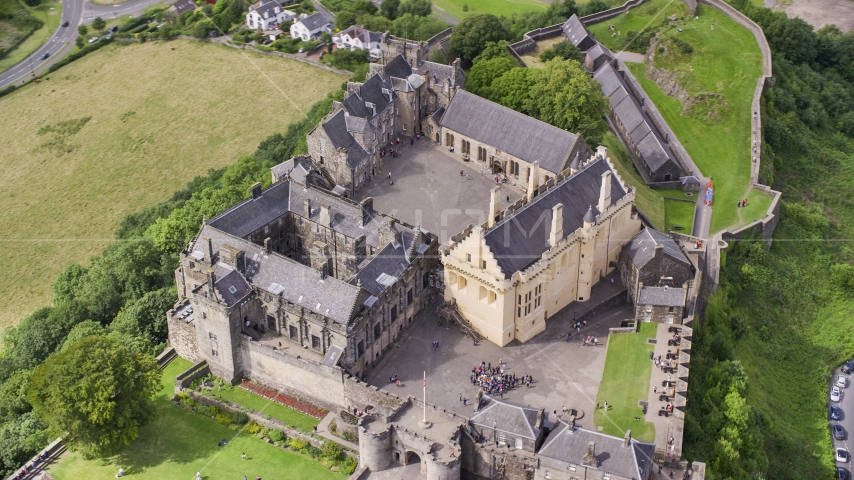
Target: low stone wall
165 357
617 299
185 378
606 14
620 330
761 228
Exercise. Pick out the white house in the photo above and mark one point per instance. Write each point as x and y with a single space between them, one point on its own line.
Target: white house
268 16
310 27
359 38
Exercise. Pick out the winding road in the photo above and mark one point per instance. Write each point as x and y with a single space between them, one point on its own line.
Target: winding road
75 12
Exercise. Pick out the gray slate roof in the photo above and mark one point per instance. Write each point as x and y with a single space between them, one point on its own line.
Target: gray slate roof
398 68
519 135
520 239
338 133
253 213
642 248
370 91
660 296
363 34
182 6
230 284
302 284
391 260
315 21
577 33
269 7
570 446
514 419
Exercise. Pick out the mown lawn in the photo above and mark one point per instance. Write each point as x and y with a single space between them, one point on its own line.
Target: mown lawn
625 380
495 7
50 13
180 443
131 125
678 213
263 405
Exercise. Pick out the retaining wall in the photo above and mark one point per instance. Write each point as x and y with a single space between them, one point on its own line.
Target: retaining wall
606 14
185 378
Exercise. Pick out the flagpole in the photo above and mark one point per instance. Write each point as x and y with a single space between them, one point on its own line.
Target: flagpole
424 423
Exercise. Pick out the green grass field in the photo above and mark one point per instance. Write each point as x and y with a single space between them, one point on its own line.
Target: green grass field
625 380
50 13
639 18
179 443
725 61
678 213
148 118
495 7
261 404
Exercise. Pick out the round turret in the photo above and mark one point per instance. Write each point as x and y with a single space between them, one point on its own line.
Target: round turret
374 447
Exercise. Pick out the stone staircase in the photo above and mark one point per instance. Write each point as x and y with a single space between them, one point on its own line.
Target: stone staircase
451 313
254 334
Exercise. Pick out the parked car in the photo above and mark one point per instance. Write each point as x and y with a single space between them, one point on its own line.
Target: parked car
93 39
835 393
46 54
835 412
266 41
114 29
848 368
842 381
842 473
109 36
838 431
842 455
65 24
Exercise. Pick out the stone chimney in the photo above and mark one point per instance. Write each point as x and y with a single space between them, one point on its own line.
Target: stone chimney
605 192
307 208
539 424
590 457
367 208
533 179
556 233
268 245
627 439
232 256
493 206
211 281
325 216
256 190
388 233
209 251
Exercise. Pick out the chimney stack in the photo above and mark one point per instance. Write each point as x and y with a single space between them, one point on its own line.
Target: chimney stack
256 190
211 282
210 253
493 206
307 208
590 457
556 234
367 208
268 245
605 192
533 179
325 216
627 440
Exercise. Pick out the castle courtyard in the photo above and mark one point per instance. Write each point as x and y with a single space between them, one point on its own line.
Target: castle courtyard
429 190
565 373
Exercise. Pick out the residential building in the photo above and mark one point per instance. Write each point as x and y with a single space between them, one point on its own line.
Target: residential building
180 7
661 304
309 27
359 38
546 251
268 16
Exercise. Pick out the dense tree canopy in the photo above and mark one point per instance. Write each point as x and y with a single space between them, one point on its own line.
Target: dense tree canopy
96 394
563 49
419 8
483 73
389 8
473 33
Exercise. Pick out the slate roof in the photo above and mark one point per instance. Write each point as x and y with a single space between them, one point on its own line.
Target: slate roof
577 33
392 260
182 6
654 152
660 296
570 446
437 71
314 21
514 419
520 239
438 114
270 8
641 249
519 135
597 51
370 91
338 133
301 284
253 213
398 68
230 285
363 34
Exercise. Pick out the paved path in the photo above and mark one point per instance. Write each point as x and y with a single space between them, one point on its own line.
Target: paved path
323 431
630 57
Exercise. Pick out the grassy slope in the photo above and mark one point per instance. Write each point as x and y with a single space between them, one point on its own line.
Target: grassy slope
49 12
273 409
179 443
161 113
625 380
726 60
495 7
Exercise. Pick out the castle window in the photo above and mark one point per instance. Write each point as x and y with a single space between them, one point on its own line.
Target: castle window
483 264
266 229
377 330
462 283
518 444
214 353
468 257
212 336
294 333
670 309
393 313
410 296
315 341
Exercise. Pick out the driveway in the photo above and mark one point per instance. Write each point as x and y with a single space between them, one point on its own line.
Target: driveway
846 403
75 12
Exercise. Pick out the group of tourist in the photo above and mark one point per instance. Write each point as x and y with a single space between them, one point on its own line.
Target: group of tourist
742 203
31 467
494 380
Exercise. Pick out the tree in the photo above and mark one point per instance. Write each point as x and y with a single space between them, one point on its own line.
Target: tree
484 72
82 330
591 7
389 8
33 3
13 396
494 50
374 23
82 29
438 56
20 440
80 42
99 24
563 49
344 20
365 6
417 28
96 394
201 29
419 8
67 283
564 95
472 34
512 89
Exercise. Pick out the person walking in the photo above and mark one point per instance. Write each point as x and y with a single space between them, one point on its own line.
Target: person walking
243 455
198 475
121 472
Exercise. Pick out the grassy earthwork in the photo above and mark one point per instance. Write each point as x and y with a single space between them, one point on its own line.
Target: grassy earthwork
180 443
50 13
725 61
265 406
625 380
119 130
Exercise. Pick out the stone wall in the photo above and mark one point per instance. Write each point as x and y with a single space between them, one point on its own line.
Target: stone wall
182 337
360 395
763 228
185 378
604 15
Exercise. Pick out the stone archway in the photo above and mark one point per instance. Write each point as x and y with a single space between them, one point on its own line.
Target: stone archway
412 458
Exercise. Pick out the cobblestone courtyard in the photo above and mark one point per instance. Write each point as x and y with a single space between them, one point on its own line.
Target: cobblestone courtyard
565 373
